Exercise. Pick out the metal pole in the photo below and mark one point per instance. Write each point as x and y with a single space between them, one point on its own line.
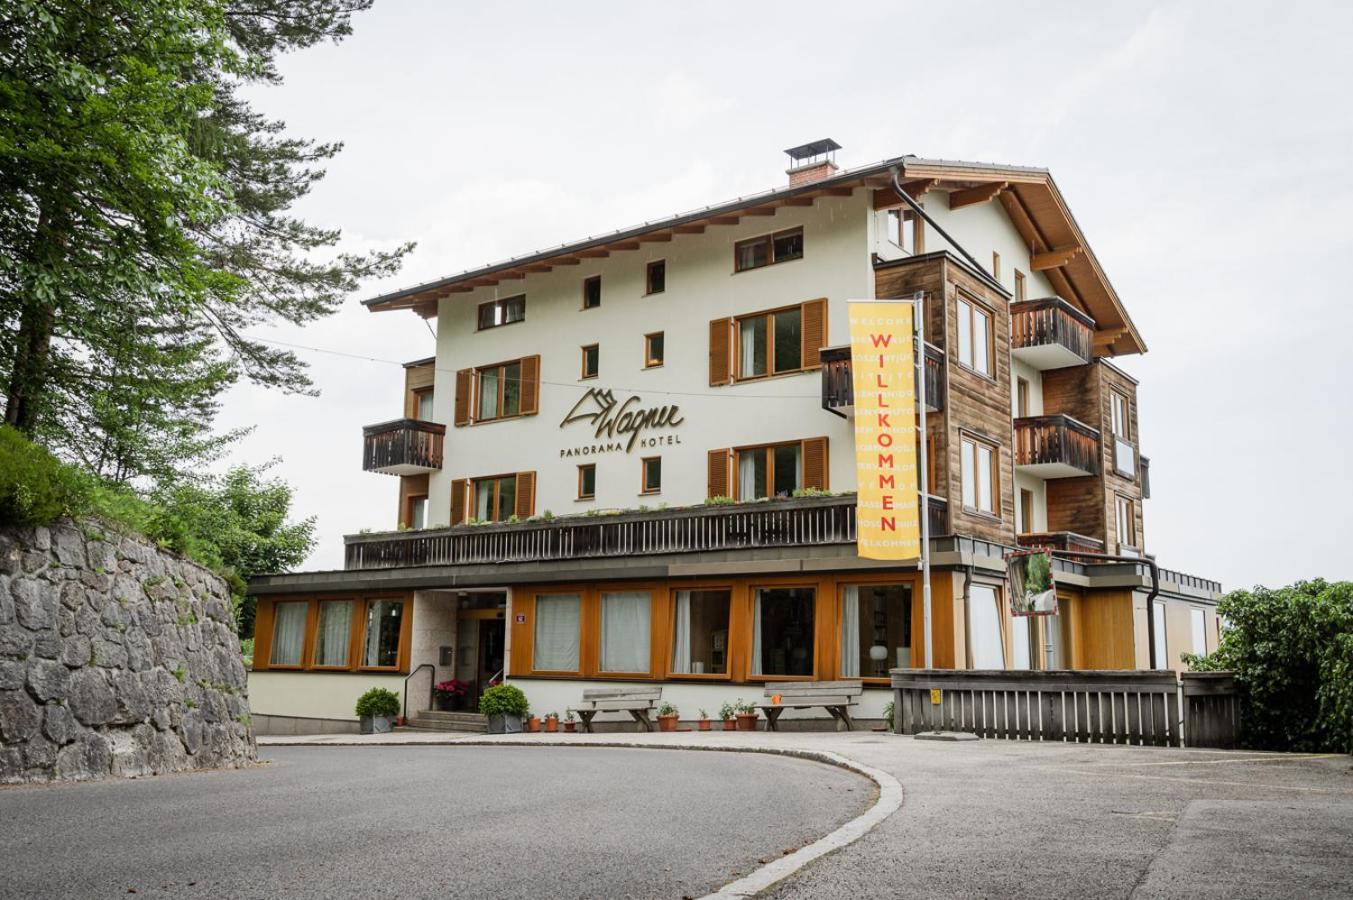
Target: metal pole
918 315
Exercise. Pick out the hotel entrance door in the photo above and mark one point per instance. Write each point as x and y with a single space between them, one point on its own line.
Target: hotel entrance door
491 635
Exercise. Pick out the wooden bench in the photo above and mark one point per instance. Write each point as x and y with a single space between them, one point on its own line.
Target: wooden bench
637 701
836 697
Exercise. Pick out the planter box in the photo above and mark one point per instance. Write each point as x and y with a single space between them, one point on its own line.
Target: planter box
505 723
377 724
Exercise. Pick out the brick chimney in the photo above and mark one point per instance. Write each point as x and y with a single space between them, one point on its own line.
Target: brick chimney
812 162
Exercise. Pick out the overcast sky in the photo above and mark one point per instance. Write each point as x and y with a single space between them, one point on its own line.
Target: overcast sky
1204 148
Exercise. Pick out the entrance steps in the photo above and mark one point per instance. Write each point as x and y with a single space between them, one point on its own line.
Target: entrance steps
436 720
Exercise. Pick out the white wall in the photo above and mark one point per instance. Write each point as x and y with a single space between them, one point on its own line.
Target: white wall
701 286
316 695
983 229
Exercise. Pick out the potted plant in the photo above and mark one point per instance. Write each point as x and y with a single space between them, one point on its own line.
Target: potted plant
570 725
532 723
505 706
668 717
704 720
726 716
746 713
377 709
451 694
552 722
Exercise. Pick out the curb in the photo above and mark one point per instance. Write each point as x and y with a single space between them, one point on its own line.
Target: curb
888 801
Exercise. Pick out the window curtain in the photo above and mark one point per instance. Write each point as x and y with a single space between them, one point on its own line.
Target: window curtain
850 633
747 334
756 635
335 627
681 635
288 633
488 394
556 640
625 632
1019 642
984 629
1158 634
747 474
372 653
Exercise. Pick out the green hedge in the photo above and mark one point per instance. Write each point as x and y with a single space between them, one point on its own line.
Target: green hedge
1292 651
378 702
504 698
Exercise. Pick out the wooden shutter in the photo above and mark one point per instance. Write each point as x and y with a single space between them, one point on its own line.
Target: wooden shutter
718 473
720 361
813 317
530 385
815 463
458 501
464 386
526 494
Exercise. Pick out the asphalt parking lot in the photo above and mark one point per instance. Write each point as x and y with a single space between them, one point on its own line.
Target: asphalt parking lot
425 822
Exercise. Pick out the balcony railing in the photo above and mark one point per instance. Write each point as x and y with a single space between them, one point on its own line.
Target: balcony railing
792 522
403 447
1068 541
1056 447
838 393
1050 333
1144 467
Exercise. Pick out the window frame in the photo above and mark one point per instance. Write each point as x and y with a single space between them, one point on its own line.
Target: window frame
733 479
644 489
769 238
976 308
1002 632
581 593
965 438
651 361
600 614
1119 399
1023 408
843 581
354 607
648 277
307 637
500 306
473 498
996 265
752 588
478 385
581 495
1021 286
899 218
1025 512
356 634
1123 502
418 395
407 517
769 315
672 590
596 349
587 283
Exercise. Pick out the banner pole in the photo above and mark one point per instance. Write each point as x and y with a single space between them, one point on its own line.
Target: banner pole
918 316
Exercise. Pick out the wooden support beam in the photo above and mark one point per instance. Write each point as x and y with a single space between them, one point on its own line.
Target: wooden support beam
655 237
1054 258
538 267
983 193
725 220
689 229
839 191
625 245
426 310
801 201
886 198
596 253
1107 337
759 211
566 261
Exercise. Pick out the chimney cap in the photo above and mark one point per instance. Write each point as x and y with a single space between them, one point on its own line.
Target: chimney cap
815 148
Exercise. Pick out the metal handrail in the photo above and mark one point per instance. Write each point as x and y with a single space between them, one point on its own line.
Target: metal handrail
432 686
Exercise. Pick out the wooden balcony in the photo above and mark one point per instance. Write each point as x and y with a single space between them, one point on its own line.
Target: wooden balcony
1056 447
1067 541
794 522
1144 467
838 394
1050 333
403 447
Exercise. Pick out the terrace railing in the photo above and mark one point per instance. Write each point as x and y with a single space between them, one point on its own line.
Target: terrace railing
837 386
403 447
1059 442
1052 323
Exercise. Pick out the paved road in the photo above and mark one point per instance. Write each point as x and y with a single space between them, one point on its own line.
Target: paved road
425 822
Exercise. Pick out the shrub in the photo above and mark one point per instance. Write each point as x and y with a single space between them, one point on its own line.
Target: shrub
378 702
667 709
719 500
504 699
35 487
726 711
1292 652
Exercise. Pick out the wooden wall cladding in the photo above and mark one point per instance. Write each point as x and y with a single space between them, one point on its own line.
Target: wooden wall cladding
1109 380
416 378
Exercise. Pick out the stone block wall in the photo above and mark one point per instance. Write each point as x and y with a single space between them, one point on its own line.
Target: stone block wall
116 658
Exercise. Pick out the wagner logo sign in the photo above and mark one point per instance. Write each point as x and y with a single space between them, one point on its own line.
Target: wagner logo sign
620 425
882 365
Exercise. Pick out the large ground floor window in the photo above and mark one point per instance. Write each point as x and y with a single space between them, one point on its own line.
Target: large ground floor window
700 632
335 633
875 629
782 631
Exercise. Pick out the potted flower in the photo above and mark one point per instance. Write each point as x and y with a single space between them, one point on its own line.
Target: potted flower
451 694
377 709
668 717
746 716
552 721
532 723
570 725
726 716
505 706
703 720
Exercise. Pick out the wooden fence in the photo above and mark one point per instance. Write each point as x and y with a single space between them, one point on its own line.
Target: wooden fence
1103 707
1211 709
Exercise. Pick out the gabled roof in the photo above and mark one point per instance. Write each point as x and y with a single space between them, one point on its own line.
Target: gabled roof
1030 197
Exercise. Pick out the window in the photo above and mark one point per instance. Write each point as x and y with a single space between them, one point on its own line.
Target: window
1119 420
592 292
557 633
418 512
1158 635
1021 397
974 337
700 632
903 230
1021 642
985 647
655 277
499 390
493 313
775 471
768 249
653 349
1198 628
495 499
288 633
1120 423
996 265
1125 522
652 474
422 405
1026 511
335 633
875 629
626 634
770 343
383 621
782 631
1020 288
587 481
591 360
978 471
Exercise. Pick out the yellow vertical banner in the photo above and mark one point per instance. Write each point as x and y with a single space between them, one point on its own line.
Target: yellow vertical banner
883 372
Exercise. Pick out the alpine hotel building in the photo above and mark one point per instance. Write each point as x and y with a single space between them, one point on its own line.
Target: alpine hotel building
631 461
